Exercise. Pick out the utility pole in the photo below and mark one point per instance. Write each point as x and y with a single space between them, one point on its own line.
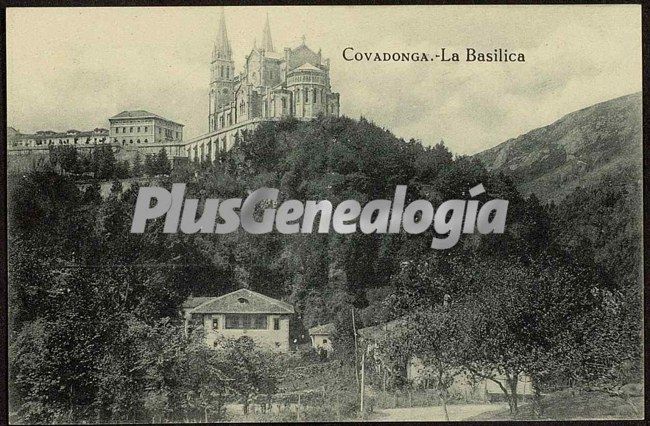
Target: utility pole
356 348
298 414
363 375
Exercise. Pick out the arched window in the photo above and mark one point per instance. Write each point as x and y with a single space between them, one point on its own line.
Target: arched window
130 140
138 140
314 100
306 95
146 141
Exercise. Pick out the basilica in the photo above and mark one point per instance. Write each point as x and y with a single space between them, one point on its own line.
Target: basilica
273 84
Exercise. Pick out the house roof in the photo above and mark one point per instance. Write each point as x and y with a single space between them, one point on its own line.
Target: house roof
243 301
329 328
140 113
193 302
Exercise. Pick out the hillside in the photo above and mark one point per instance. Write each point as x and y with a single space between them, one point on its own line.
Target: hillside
576 150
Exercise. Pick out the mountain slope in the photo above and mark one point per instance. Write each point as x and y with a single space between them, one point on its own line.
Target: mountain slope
576 150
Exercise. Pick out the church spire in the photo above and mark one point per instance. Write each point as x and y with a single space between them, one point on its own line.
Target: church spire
221 42
267 42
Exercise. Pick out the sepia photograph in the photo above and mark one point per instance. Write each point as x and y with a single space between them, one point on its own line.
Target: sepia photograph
332 213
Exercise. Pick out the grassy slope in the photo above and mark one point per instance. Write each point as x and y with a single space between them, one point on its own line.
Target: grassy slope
576 150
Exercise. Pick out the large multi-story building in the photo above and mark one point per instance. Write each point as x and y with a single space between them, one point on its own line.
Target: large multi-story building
138 130
146 132
272 85
27 143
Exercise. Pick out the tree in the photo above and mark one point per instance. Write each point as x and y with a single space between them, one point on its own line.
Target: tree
104 162
431 337
65 156
137 167
512 324
251 369
122 169
162 164
150 165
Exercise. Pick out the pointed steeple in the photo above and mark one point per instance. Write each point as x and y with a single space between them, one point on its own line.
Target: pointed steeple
267 42
221 42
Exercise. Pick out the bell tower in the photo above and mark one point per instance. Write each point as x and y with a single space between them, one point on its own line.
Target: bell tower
222 73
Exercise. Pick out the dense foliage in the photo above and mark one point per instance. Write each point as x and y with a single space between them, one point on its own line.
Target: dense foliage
101 163
95 330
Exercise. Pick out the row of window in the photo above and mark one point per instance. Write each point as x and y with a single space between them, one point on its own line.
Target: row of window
117 129
245 322
314 97
40 142
306 79
168 133
224 71
130 141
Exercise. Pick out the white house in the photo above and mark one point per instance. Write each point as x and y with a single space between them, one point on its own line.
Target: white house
241 313
321 336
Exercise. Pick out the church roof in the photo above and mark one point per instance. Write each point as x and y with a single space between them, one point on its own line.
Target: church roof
243 301
328 328
307 67
274 55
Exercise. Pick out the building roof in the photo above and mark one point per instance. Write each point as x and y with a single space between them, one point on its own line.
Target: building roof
140 113
49 134
307 67
243 301
193 302
274 55
328 328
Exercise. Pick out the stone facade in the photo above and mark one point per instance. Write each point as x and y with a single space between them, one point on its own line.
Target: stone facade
147 133
273 85
129 131
240 313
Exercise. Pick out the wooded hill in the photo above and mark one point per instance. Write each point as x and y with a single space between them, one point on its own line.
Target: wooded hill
104 301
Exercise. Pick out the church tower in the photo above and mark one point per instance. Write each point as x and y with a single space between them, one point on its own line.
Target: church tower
267 42
222 73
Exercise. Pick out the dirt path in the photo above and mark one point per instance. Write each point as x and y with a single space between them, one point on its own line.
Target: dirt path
434 414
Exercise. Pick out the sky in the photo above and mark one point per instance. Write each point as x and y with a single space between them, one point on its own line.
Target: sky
73 68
